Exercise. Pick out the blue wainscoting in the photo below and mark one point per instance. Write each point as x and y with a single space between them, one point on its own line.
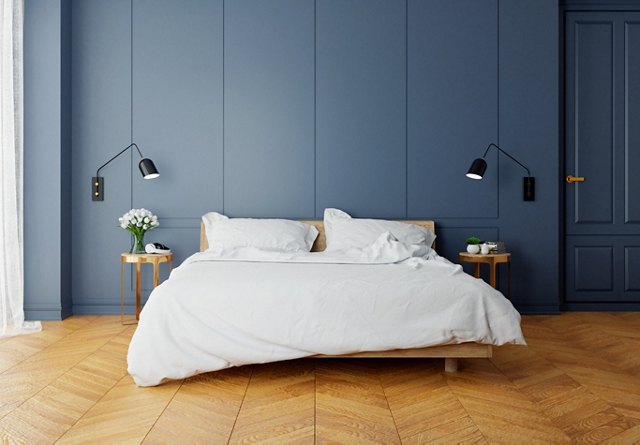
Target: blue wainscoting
361 107
528 129
280 108
269 108
177 117
177 105
453 106
47 250
101 127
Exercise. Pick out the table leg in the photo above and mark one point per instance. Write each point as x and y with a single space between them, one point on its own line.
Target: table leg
492 275
121 291
156 274
138 291
509 279
476 270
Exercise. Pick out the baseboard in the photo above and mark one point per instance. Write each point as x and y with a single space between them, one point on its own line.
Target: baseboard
43 314
66 312
102 309
550 309
609 307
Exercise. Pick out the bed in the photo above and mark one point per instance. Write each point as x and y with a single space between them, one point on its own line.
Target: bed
450 353
160 350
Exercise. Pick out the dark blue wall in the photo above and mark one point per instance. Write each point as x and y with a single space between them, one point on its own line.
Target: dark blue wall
47 150
281 108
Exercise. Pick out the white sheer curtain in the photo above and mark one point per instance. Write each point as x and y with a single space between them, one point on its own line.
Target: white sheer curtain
11 115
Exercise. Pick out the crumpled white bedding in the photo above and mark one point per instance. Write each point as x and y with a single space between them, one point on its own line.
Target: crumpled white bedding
231 308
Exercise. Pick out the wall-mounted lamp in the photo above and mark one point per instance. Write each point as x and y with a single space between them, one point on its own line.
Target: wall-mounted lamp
147 168
479 166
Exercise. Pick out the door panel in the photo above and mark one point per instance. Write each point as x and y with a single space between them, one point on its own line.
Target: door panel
602 137
632 123
603 269
594 267
591 104
632 268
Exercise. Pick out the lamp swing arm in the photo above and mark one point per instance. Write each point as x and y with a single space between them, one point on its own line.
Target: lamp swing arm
146 166
106 163
504 152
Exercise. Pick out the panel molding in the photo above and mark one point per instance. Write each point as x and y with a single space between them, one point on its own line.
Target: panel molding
631 131
631 268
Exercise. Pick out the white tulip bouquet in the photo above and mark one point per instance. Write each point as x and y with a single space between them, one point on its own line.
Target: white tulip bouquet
138 222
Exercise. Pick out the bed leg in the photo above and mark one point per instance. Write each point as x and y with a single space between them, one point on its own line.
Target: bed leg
450 364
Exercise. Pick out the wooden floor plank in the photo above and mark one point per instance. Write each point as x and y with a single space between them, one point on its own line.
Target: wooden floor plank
14 350
351 406
576 382
502 413
422 403
30 376
124 415
204 408
278 406
51 412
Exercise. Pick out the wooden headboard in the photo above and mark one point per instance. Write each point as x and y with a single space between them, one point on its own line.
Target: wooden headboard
321 240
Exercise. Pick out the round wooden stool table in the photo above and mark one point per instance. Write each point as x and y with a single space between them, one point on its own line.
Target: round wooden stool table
139 259
492 259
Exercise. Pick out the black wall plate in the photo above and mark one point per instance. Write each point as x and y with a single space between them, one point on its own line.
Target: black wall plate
529 188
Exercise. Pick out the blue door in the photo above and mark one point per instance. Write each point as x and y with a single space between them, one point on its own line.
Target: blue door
602 159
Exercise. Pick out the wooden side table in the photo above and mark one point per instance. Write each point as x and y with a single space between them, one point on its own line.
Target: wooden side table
139 259
491 259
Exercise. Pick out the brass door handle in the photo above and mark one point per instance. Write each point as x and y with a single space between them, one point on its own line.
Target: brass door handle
571 179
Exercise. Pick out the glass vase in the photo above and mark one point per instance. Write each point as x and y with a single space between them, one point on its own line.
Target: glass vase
138 244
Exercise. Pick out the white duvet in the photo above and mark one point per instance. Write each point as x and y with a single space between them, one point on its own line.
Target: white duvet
231 308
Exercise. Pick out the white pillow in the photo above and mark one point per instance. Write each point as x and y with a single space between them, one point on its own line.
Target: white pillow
271 234
344 232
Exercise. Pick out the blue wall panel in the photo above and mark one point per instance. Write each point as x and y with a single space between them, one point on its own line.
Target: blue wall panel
529 131
43 152
177 105
101 126
361 107
269 108
452 106
66 206
277 108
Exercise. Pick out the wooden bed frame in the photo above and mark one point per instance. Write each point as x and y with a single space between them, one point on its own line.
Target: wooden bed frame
450 353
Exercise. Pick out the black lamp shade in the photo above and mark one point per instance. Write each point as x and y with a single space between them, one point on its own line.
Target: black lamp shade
477 169
148 169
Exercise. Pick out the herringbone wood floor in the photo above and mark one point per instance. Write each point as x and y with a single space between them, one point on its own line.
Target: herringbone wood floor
578 381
